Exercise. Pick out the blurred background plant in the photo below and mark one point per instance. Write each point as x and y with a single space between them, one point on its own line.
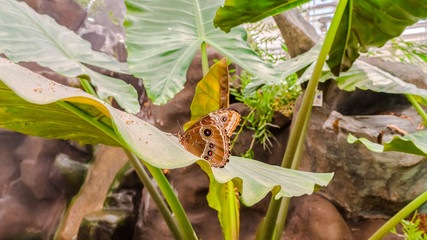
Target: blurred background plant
264 36
398 49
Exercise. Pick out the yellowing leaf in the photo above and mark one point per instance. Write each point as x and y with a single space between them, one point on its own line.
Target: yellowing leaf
211 92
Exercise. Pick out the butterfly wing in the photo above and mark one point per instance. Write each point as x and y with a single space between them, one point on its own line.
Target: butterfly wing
209 138
228 118
208 141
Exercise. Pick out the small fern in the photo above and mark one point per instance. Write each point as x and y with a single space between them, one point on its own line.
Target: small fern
411 230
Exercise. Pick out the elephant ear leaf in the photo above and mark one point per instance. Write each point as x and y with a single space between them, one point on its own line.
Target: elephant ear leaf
163 36
371 23
34 105
27 36
236 12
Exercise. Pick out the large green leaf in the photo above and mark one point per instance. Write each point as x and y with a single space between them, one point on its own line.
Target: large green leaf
26 36
149 143
336 55
368 77
254 179
365 76
289 67
324 76
414 143
365 23
236 12
162 37
372 23
299 62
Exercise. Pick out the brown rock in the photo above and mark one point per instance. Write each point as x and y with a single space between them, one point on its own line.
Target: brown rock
65 12
299 35
364 228
314 217
32 197
366 184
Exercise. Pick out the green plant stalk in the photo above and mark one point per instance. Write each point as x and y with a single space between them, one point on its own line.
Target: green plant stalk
205 60
173 202
269 223
412 206
88 87
157 198
233 211
417 107
285 201
281 217
232 201
241 129
157 174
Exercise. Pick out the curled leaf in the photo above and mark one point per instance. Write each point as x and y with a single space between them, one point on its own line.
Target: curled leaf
255 179
414 143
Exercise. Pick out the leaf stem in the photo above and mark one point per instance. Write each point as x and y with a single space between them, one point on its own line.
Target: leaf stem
285 201
417 107
267 229
281 217
88 87
173 202
205 60
157 198
240 130
412 206
233 211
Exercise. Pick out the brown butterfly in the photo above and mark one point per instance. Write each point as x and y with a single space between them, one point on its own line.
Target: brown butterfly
209 138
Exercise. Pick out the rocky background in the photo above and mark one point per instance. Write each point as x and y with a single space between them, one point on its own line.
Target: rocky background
39 177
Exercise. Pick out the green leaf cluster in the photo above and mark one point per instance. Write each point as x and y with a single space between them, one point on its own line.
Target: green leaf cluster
60 49
166 35
162 39
99 122
365 23
404 51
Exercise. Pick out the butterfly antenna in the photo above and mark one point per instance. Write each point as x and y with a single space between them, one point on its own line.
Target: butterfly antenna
179 133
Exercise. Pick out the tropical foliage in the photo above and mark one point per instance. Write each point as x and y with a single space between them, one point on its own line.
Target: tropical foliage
162 38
